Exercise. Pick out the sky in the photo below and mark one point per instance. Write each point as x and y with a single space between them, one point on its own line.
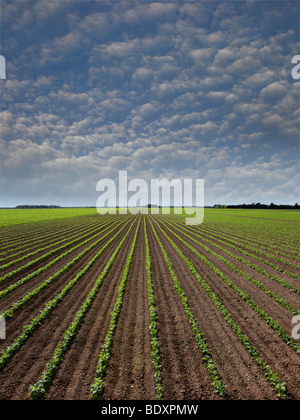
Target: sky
179 89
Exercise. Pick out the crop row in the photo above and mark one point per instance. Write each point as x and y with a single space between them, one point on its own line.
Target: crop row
187 232
35 323
21 302
238 246
39 389
210 249
72 239
246 298
40 270
265 254
261 227
269 246
48 254
255 267
98 383
272 377
153 322
35 243
264 232
217 382
23 236
269 320
254 240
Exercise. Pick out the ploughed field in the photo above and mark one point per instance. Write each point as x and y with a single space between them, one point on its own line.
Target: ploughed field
131 307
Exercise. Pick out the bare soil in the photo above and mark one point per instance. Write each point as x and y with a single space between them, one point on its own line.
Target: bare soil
130 372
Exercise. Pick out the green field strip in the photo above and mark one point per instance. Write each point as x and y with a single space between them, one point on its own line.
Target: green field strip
281 215
271 322
19 217
272 377
7 353
217 383
187 232
98 383
254 218
153 323
21 302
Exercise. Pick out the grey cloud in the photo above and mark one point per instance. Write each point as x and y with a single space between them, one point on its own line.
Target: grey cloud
172 88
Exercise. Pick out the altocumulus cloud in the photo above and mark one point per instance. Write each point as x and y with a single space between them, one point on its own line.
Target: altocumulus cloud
159 89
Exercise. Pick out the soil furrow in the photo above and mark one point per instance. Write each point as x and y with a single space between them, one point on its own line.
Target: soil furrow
280 357
80 244
15 324
184 375
291 297
20 251
241 375
78 369
28 363
130 374
238 251
26 232
42 255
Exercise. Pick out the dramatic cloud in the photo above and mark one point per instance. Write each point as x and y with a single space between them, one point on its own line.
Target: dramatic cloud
159 89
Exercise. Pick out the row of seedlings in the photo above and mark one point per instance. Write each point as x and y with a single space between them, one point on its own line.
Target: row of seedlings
36 322
272 377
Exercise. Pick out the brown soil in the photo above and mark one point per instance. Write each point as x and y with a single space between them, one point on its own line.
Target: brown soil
280 357
290 296
35 265
33 306
130 373
28 245
27 365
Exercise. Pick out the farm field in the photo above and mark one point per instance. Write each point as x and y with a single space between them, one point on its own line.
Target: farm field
144 307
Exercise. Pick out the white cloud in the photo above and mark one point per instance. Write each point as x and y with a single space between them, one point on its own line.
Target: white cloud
274 90
157 88
142 74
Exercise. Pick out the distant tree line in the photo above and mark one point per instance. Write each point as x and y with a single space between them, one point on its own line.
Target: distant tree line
33 206
257 206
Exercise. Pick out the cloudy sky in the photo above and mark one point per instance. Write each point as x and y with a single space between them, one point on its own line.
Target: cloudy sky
180 89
